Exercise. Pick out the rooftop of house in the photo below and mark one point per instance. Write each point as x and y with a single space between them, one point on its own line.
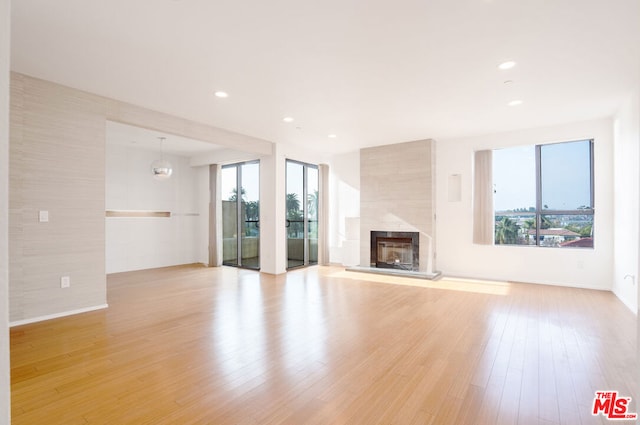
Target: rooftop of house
578 243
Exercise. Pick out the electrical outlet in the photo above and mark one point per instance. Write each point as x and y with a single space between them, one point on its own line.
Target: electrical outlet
43 216
65 282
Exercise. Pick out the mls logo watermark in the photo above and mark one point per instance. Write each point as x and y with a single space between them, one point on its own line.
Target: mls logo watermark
612 406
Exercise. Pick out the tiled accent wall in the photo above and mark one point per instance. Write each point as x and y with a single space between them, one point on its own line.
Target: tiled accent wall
57 164
5 378
397 193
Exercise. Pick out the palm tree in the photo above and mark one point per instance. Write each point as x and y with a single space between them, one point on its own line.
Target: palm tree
293 207
294 214
546 223
506 231
252 210
312 204
234 194
528 224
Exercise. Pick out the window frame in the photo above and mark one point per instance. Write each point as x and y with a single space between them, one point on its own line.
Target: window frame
539 210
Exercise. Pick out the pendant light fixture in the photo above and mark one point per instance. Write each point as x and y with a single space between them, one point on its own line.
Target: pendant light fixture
161 168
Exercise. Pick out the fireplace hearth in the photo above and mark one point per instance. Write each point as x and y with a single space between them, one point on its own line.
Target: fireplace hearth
395 250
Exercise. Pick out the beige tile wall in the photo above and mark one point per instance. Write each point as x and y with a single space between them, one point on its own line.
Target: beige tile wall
57 164
5 378
397 193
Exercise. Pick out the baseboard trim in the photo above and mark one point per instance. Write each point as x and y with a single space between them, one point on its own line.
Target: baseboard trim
57 315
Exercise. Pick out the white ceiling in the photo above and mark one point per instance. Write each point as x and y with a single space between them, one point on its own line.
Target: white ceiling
119 134
370 71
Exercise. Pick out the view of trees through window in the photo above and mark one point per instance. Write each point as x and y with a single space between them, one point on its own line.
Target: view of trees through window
543 195
295 215
250 210
240 185
302 213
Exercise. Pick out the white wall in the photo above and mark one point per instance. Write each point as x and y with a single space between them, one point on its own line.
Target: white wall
4 222
272 213
142 243
457 255
626 192
344 204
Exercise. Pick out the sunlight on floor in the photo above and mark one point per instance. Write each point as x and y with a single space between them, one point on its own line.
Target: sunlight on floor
447 283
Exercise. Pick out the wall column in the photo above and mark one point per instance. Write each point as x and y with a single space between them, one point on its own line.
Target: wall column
273 252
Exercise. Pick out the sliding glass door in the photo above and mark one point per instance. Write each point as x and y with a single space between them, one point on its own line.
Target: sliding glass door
241 215
302 214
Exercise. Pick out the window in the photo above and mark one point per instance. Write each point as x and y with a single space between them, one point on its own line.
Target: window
543 195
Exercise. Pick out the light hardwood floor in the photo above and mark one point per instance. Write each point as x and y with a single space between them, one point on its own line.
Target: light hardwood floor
195 345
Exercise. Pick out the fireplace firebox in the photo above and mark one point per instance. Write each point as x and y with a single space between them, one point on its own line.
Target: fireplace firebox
395 250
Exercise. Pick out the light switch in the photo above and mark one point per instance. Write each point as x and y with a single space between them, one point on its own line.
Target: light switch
43 216
65 281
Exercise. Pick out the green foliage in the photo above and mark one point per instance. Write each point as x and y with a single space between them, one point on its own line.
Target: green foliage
294 213
583 231
529 223
312 204
586 231
506 231
234 194
252 210
547 223
293 207
523 209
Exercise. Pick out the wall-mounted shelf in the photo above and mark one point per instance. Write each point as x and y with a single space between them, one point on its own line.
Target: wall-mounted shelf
137 214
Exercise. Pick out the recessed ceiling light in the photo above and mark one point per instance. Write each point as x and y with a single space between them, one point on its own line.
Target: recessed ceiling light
287 119
221 94
507 65
515 103
332 136
508 82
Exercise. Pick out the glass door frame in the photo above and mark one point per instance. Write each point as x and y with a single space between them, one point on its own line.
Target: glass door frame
239 219
305 212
